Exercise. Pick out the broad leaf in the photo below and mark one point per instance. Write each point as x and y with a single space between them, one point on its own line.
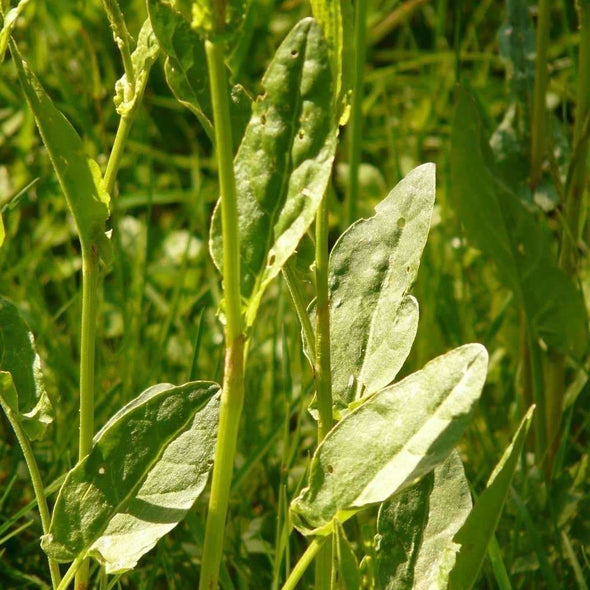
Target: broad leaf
128 94
414 542
510 234
22 388
392 439
148 465
475 534
284 162
373 320
78 175
345 573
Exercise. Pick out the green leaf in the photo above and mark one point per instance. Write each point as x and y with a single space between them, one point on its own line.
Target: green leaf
8 24
284 162
23 391
128 94
78 175
414 542
336 20
373 320
391 440
345 573
2 231
201 14
475 534
148 465
510 234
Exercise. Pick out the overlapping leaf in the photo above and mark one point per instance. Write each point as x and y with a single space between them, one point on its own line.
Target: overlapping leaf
502 227
395 437
22 390
284 162
147 467
415 530
78 175
373 320
345 573
475 534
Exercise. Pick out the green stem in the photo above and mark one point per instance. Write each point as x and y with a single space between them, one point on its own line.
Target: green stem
121 35
72 571
323 372
298 299
303 563
38 488
232 398
540 91
536 361
90 282
356 115
116 154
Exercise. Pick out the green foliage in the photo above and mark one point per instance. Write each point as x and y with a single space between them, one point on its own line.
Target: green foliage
415 529
475 534
373 319
284 162
22 390
345 573
511 235
386 444
148 465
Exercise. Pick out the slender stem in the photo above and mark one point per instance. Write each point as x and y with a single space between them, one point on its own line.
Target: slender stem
232 398
303 563
301 309
323 373
72 571
38 488
356 115
536 360
540 91
90 282
116 154
121 36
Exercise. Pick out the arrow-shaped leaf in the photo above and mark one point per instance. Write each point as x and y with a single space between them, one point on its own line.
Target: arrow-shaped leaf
392 439
148 465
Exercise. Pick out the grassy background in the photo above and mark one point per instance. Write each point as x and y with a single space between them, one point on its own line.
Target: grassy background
158 313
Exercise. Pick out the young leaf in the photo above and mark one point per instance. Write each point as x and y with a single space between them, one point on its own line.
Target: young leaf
25 393
387 443
345 573
78 175
284 162
148 465
373 320
475 534
414 542
500 225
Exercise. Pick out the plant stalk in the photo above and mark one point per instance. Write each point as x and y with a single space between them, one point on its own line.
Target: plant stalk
232 397
90 282
38 488
323 372
538 124
303 563
356 114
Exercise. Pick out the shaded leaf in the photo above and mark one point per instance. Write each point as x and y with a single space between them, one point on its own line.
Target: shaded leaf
23 392
395 437
373 320
148 465
345 573
78 175
475 534
510 234
415 530
284 162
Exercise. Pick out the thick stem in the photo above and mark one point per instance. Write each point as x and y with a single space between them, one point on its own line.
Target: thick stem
300 567
540 91
90 283
323 373
38 488
356 114
233 380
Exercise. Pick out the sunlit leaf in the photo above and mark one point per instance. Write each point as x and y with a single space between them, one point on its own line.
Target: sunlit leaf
373 320
345 573
475 534
23 392
148 465
414 543
284 162
395 437
78 175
